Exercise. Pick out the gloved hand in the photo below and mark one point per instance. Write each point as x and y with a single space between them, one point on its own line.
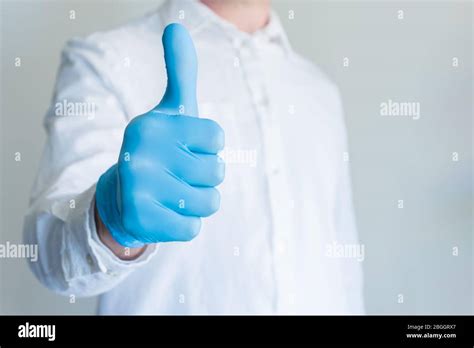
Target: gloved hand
163 182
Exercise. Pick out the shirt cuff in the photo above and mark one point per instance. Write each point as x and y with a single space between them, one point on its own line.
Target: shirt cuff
105 259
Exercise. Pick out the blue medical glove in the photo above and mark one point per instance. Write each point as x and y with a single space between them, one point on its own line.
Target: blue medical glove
165 178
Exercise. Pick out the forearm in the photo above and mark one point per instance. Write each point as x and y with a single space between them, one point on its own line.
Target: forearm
72 259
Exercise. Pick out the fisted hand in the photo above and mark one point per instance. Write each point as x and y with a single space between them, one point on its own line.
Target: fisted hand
165 178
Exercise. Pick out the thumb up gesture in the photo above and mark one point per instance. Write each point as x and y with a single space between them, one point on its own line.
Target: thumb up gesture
165 178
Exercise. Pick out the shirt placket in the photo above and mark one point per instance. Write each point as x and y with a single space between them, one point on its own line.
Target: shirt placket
278 195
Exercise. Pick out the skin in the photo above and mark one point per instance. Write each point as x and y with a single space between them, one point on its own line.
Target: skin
248 16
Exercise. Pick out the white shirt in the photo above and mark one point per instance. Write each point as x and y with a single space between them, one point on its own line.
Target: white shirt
285 200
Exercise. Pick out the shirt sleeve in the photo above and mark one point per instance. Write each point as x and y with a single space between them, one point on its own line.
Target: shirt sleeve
84 126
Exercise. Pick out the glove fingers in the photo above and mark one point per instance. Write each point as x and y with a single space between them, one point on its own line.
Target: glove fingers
197 169
186 199
156 223
199 134
170 191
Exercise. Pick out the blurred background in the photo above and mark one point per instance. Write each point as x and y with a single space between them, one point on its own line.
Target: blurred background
376 51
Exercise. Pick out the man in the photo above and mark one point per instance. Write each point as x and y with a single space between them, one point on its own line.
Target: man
116 210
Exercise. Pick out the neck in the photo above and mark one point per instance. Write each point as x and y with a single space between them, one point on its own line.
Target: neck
247 15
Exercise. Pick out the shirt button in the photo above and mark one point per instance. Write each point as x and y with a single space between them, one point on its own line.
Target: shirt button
275 171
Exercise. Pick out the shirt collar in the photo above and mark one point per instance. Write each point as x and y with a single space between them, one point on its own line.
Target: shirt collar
196 16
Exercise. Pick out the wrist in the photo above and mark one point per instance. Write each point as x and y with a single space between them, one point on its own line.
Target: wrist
106 200
123 253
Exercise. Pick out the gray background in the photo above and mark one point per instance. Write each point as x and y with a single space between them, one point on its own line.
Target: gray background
409 250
